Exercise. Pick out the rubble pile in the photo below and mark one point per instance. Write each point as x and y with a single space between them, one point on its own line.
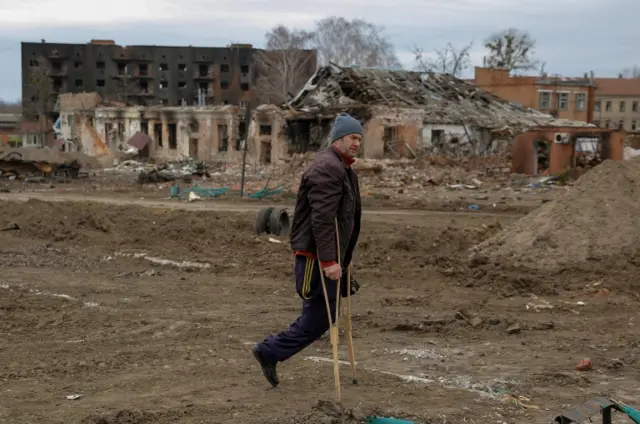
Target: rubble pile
52 156
32 163
407 173
390 179
594 221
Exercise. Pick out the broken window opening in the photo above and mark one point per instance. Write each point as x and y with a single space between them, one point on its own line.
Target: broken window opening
56 66
122 68
33 63
78 83
57 84
542 149
265 130
244 86
144 85
157 134
144 127
143 69
607 106
100 64
265 152
224 68
203 70
622 106
298 136
108 130
242 129
77 65
121 129
437 138
182 84
173 136
100 83
224 85
223 138
163 84
244 69
389 139
182 67
164 67
203 86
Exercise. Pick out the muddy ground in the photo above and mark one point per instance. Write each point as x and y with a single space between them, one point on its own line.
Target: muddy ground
149 314
509 196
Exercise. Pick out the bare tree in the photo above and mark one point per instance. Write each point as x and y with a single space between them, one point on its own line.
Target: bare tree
41 85
511 49
449 60
353 43
630 72
285 64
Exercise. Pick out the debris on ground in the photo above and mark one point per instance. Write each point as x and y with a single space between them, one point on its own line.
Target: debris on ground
165 172
596 220
25 163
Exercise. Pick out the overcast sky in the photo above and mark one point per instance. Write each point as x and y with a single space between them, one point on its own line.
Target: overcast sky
573 36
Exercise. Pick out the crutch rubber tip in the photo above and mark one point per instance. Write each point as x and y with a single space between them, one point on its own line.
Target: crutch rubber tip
355 381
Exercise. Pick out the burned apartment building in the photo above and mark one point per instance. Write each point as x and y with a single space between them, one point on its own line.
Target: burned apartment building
142 75
405 114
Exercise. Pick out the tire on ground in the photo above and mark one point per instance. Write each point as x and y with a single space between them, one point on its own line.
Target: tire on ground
262 220
279 222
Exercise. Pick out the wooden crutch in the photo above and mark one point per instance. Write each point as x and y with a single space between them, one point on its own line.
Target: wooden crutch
352 352
348 333
333 326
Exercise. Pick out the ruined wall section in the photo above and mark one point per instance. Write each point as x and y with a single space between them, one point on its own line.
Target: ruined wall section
267 135
397 127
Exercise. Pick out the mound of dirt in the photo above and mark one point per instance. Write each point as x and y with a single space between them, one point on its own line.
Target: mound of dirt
53 156
596 221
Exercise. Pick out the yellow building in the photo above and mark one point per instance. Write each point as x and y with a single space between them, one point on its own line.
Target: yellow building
617 103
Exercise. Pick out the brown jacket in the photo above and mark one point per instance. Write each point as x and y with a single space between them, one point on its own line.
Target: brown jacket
328 189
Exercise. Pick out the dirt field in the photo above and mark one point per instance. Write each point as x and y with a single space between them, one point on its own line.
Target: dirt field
149 314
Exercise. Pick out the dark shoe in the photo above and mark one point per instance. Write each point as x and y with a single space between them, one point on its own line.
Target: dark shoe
269 370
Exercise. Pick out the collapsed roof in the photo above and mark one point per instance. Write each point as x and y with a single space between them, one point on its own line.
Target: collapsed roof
444 98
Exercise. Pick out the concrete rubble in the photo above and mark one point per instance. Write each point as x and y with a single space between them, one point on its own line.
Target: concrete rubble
404 114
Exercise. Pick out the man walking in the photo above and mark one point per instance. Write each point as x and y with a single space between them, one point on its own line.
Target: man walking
328 191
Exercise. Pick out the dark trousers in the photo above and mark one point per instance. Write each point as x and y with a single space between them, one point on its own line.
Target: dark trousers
312 322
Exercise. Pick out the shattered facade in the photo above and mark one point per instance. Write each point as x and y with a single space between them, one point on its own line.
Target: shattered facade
405 114
204 133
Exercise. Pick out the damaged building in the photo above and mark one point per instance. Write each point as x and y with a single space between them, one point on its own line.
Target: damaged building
405 114
97 128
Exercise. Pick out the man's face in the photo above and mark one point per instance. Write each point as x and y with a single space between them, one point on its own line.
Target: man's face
349 145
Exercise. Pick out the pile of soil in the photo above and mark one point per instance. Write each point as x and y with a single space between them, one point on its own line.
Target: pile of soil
594 223
53 156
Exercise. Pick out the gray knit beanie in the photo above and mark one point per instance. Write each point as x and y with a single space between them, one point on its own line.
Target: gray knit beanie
345 124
